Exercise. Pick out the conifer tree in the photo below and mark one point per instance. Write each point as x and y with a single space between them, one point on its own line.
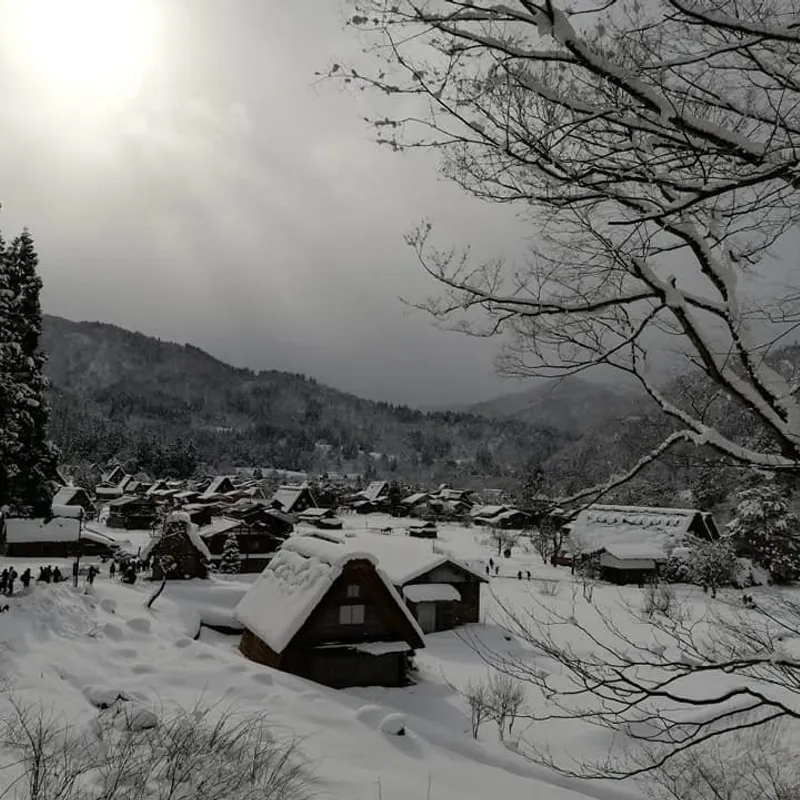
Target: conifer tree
28 458
230 562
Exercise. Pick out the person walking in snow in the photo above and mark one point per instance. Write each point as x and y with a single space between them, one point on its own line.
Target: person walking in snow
57 576
4 581
25 578
91 573
112 570
12 576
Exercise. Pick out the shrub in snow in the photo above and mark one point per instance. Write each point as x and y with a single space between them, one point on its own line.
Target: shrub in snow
549 588
676 570
659 599
713 565
231 563
126 755
480 707
767 533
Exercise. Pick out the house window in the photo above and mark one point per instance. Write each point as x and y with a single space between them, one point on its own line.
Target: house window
353 590
351 615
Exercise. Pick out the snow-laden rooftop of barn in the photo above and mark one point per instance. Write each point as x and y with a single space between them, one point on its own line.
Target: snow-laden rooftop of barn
624 528
400 557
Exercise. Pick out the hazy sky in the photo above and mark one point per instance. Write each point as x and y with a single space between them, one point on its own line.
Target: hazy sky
184 174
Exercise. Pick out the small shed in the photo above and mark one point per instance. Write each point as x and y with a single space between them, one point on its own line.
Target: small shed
630 563
177 552
328 614
422 529
324 518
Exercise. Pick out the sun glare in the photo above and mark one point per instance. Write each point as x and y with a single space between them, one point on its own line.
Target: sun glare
96 49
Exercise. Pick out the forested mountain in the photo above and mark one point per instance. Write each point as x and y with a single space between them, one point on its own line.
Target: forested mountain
569 404
166 407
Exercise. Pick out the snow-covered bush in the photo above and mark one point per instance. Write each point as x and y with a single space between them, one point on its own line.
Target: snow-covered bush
713 565
231 563
767 533
188 754
675 570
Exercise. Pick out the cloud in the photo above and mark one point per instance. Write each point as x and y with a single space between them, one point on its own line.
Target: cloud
237 203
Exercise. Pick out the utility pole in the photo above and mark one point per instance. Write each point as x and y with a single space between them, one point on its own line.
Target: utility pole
77 567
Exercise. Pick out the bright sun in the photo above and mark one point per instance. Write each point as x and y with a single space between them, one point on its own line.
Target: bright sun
95 49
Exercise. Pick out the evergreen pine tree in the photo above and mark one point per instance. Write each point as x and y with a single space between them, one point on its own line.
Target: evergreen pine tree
230 563
765 531
28 458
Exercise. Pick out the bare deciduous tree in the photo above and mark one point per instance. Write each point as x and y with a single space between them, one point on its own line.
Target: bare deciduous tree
678 683
652 147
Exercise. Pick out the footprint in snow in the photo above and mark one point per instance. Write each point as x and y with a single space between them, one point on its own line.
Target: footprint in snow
184 641
142 669
125 652
140 624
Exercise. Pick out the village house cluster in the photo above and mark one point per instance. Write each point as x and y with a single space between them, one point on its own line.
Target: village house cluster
333 603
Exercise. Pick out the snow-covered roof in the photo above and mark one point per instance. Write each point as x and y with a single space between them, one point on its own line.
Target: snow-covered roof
64 495
609 526
421 524
431 592
636 550
215 485
487 511
218 525
294 583
401 558
315 513
374 490
287 496
58 529
415 498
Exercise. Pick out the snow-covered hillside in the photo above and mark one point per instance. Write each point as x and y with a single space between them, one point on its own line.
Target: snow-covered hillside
76 649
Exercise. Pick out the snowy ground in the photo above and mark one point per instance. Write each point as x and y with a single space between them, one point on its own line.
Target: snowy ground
68 648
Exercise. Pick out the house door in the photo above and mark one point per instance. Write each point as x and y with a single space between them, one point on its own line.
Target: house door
426 616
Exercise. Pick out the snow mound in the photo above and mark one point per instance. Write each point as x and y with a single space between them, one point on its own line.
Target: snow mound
370 714
133 717
102 696
393 724
109 605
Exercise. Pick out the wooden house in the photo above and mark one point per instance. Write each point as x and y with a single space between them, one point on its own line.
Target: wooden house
258 538
293 499
330 615
60 537
178 552
73 497
441 592
626 544
422 529
132 512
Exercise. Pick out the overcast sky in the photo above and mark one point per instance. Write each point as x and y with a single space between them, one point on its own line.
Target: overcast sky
185 174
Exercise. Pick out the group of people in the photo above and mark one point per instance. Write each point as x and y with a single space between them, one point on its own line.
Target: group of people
128 570
7 578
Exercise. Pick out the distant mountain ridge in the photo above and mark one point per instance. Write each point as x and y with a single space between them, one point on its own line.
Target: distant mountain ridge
569 404
120 394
